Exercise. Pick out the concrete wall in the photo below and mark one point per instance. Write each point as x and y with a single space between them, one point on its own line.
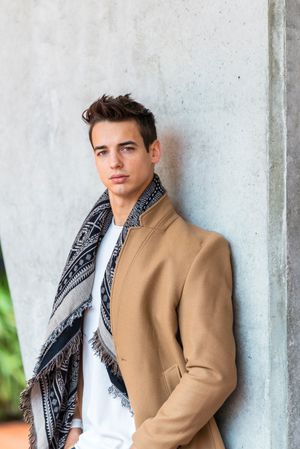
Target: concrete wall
293 218
212 72
277 238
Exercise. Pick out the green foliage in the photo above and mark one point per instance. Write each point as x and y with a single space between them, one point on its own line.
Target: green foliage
12 379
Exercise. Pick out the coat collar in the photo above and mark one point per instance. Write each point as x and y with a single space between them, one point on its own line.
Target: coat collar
160 214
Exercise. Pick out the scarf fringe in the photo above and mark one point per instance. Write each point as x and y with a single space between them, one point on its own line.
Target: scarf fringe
105 357
116 393
25 407
57 332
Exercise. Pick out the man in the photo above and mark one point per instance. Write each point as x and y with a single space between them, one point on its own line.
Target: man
140 351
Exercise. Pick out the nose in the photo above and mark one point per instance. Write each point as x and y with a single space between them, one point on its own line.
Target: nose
115 159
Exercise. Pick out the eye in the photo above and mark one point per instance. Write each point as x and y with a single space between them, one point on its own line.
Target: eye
101 153
127 149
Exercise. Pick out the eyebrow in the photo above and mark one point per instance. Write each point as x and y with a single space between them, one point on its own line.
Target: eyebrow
121 144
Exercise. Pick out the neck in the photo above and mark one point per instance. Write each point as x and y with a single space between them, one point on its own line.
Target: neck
121 208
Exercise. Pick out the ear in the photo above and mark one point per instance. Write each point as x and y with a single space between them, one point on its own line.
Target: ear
155 151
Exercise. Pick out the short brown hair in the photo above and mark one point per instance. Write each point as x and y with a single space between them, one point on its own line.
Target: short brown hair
118 109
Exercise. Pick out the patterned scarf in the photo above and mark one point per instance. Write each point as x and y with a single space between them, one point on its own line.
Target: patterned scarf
48 403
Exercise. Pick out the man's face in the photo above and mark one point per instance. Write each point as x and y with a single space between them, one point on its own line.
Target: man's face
123 164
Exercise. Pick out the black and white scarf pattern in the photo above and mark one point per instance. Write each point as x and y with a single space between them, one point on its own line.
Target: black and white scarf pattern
49 401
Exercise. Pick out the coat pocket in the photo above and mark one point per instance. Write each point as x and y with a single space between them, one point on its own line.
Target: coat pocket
172 376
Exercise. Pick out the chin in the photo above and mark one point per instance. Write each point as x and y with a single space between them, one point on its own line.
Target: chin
120 190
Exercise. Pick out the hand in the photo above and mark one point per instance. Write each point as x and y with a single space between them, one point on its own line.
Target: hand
72 437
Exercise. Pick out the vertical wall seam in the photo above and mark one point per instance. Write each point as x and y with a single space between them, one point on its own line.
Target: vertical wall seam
277 242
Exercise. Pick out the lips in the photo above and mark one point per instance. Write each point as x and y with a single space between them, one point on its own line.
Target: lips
119 179
118 176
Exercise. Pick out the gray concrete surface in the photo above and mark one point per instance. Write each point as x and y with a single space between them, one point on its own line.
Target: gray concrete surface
293 219
213 73
277 228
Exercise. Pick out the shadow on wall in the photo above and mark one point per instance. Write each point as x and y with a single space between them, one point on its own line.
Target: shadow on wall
12 379
226 415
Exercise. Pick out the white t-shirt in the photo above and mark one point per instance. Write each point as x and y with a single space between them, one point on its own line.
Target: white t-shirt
106 423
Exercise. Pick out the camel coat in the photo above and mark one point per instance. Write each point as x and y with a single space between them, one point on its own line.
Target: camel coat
171 318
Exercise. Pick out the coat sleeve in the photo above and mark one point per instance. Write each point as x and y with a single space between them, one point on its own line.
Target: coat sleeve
205 319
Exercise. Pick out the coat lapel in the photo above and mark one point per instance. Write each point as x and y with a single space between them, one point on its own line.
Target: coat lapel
157 217
134 241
